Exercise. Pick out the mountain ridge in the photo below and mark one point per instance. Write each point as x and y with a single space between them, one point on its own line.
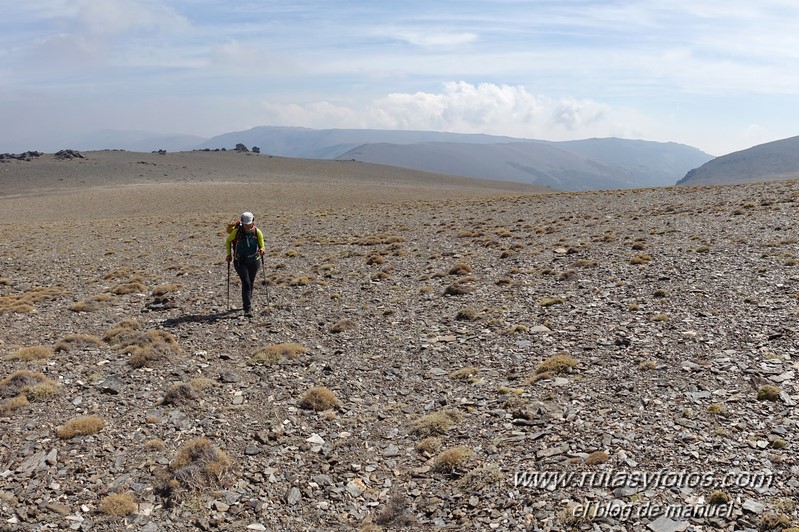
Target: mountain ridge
771 161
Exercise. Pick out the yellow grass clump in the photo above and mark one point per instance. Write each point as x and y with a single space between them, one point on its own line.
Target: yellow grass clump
199 464
164 289
80 426
375 240
482 478
451 459
460 268
202 383
559 363
154 444
319 398
768 392
24 303
180 394
12 404
640 259
464 374
91 304
34 386
597 457
550 301
77 341
271 354
147 349
437 423
118 332
429 445
342 325
118 504
120 273
27 354
457 289
122 289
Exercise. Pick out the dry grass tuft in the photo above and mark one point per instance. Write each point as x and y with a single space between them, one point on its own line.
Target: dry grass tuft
319 398
716 409
464 374
122 289
24 303
118 331
597 457
271 354
550 301
77 341
164 289
378 239
460 268
119 504
450 460
768 392
80 426
467 314
482 478
13 404
27 354
202 383
147 349
90 305
437 423
342 325
719 497
559 363
396 512
180 394
429 445
34 386
155 444
457 289
119 273
199 464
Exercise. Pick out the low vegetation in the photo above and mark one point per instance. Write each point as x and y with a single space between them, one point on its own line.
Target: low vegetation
80 426
319 398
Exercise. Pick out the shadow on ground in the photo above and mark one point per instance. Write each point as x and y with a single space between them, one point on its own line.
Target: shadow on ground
201 318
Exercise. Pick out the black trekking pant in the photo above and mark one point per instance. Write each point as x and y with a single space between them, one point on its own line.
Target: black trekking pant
247 272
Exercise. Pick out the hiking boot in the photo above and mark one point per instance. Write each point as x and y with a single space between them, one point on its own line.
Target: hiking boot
248 313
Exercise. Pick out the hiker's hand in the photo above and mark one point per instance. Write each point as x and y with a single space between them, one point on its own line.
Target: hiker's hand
261 252
228 258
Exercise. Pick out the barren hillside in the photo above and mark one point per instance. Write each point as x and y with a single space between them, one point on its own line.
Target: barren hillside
419 348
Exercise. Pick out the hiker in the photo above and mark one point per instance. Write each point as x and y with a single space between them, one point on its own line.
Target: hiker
247 245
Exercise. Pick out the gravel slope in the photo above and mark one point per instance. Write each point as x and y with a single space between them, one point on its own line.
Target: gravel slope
667 309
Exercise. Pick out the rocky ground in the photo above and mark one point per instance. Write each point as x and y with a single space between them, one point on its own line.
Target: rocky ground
413 361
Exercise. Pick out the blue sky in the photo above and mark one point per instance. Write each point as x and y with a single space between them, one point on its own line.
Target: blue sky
717 75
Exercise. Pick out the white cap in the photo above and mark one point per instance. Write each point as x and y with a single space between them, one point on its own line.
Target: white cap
247 217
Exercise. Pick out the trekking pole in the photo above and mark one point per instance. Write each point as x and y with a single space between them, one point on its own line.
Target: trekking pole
228 286
266 285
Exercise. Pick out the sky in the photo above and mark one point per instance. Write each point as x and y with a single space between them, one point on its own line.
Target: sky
719 75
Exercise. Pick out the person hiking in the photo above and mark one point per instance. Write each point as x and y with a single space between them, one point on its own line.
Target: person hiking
245 246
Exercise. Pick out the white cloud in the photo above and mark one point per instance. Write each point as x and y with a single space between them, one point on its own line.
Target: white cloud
433 39
119 16
464 108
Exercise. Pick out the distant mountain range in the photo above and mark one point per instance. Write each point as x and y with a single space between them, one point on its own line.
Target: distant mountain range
574 165
766 162
591 164
571 165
